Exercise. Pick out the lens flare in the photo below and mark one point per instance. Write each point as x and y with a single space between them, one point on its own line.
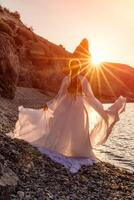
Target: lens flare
96 59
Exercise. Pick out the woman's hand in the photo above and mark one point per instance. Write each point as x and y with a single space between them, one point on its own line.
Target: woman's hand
45 107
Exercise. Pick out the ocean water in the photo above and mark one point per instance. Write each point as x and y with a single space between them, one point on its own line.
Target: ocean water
119 148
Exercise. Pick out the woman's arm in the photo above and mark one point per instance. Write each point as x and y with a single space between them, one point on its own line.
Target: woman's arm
93 101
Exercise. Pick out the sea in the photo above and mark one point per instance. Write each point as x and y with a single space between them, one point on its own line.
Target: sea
119 148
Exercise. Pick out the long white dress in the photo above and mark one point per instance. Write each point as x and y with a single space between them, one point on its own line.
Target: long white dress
71 127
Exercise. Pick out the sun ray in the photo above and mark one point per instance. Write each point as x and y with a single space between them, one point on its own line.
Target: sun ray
82 56
85 64
119 69
119 81
92 73
85 49
107 82
98 81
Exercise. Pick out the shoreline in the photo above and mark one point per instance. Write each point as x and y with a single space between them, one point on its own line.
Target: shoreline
104 100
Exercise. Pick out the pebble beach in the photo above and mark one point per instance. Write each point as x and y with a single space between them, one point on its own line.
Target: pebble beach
27 174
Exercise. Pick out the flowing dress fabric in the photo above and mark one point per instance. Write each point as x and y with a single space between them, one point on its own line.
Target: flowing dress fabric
71 127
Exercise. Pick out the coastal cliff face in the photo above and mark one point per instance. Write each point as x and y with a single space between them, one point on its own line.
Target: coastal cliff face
28 60
33 60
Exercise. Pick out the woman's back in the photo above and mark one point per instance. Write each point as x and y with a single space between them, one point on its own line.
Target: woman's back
77 87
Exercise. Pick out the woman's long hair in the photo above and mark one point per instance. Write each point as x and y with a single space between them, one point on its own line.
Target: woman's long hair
75 84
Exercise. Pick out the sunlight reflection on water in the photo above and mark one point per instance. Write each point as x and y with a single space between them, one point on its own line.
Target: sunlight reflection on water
119 148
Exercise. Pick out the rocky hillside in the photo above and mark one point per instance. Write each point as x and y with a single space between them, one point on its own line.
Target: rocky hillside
28 60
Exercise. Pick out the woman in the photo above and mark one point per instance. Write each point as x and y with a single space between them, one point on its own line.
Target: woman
72 123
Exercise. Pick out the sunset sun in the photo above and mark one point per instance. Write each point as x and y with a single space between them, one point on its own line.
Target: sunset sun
97 57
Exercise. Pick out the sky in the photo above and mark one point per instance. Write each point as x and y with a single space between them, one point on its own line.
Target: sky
107 24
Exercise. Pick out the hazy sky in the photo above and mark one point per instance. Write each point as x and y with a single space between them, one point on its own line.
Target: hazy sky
107 24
